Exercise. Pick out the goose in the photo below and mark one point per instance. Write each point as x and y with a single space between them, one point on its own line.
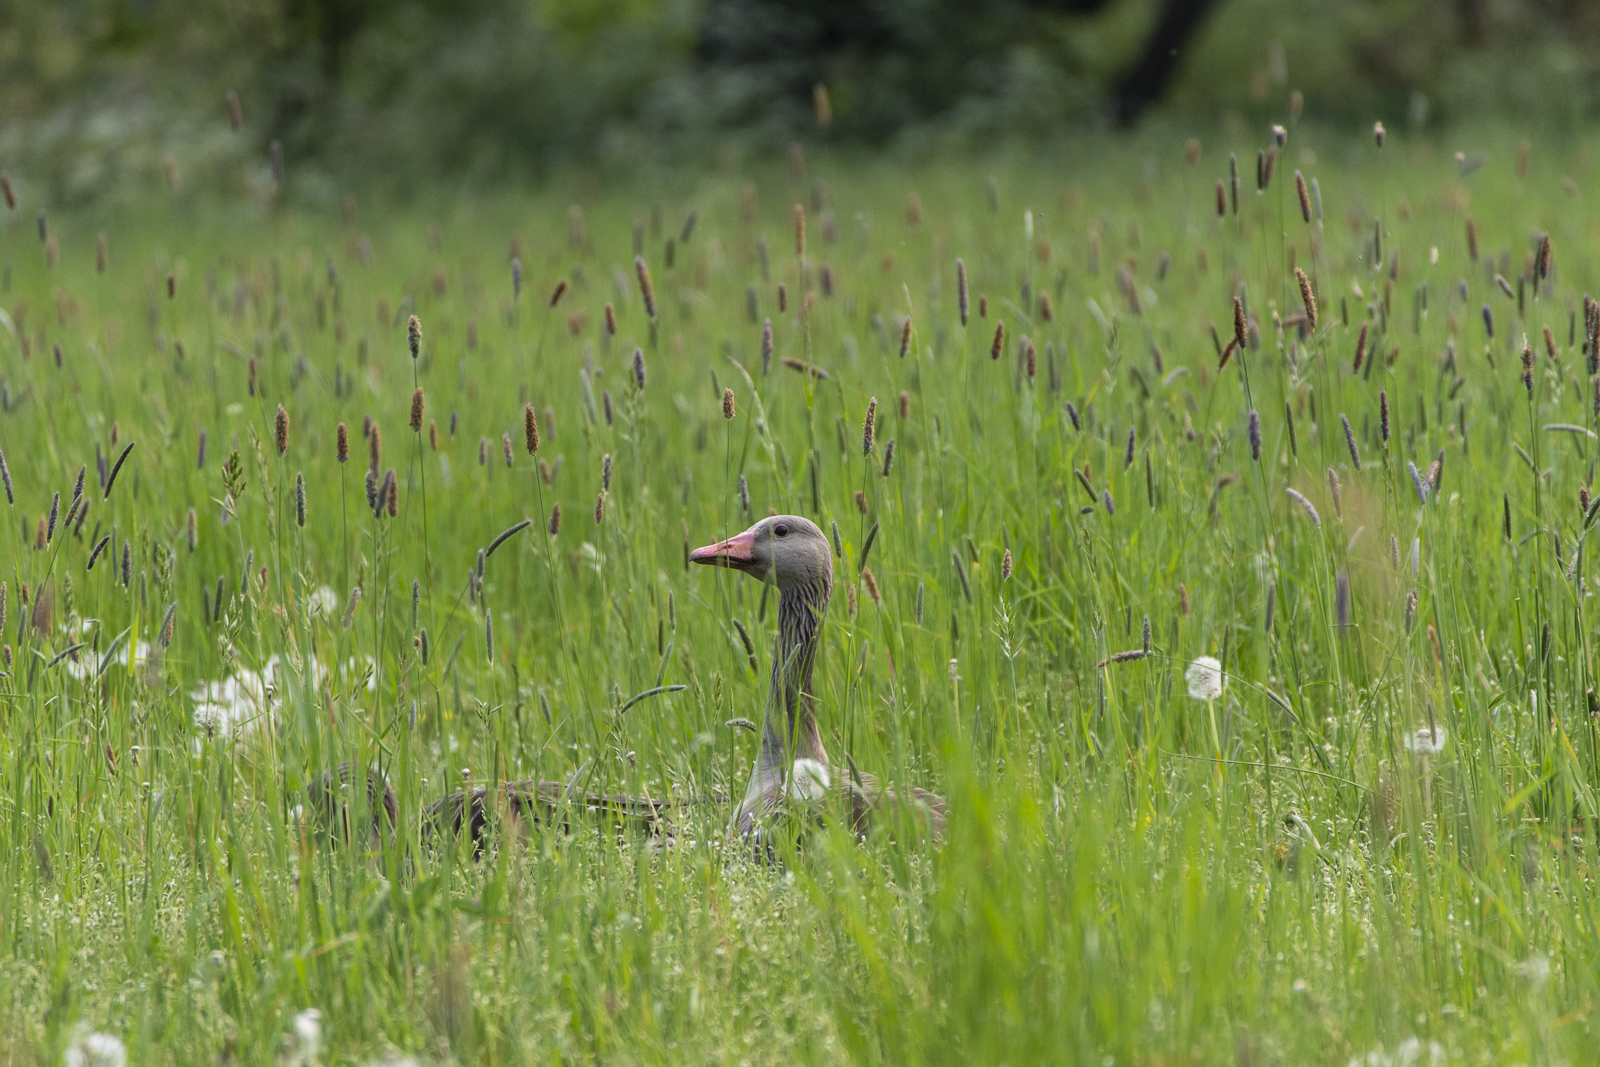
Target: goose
793 554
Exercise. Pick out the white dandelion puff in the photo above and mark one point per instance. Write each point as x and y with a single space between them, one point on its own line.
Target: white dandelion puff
1204 677
808 780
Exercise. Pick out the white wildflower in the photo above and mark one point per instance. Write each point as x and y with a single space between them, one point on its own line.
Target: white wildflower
92 1049
1428 741
1205 678
1536 969
304 1040
324 602
1409 1053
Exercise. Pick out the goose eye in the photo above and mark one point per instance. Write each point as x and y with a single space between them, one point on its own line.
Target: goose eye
780 530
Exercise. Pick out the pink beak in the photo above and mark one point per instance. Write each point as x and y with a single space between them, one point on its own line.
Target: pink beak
736 551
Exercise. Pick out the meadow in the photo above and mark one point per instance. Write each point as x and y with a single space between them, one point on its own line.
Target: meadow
1371 844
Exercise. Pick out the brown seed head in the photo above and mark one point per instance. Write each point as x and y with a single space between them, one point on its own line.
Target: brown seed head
727 403
555 518
433 435
560 291
870 580
342 443
611 320
800 231
1222 199
999 343
905 337
869 426
1305 197
414 336
1239 335
600 509
963 300
530 429
417 404
280 430
1361 350
1306 298
374 448
1005 566
905 403
647 290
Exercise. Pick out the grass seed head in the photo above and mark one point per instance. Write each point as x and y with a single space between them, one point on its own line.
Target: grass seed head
963 300
766 347
417 404
555 518
646 289
1350 441
869 426
1306 297
605 473
600 509
280 430
505 449
727 403
299 500
414 336
1005 566
1383 416
1303 196
1306 505
341 439
999 342
905 337
1240 333
530 429
374 448
559 292
639 376
1254 433
1527 367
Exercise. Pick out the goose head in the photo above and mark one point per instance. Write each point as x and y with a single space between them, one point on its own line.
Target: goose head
786 550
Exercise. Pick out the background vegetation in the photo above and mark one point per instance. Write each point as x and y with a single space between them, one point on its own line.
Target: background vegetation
96 94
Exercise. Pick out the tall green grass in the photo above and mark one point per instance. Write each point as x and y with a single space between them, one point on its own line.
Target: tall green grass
1131 875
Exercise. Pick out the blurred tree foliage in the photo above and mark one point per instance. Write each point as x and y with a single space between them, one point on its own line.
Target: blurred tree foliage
96 92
